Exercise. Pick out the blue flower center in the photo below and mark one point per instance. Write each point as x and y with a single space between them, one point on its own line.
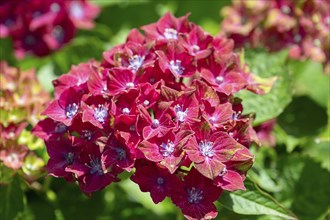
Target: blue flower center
71 110
180 114
219 79
125 111
95 166
76 10
223 172
69 157
87 134
170 34
135 62
100 113
60 128
195 195
155 123
166 149
121 153
58 34
205 148
160 180
176 67
129 85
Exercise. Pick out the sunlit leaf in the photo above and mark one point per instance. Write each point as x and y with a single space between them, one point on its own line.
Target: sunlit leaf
254 201
11 200
272 104
310 80
305 186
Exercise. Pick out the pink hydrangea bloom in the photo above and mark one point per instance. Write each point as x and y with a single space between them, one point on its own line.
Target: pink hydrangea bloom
41 27
302 26
162 103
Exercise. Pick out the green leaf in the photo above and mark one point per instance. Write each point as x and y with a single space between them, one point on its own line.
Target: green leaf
262 172
100 31
45 76
6 174
31 61
135 193
104 3
305 186
295 129
303 117
73 204
11 200
272 104
81 49
325 136
6 51
310 80
320 152
289 141
254 201
38 207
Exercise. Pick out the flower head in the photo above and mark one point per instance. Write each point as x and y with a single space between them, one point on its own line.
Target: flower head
162 103
44 26
277 25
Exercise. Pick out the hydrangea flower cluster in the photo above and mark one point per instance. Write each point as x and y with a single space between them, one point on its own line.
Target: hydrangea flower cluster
42 26
22 99
265 133
302 26
161 104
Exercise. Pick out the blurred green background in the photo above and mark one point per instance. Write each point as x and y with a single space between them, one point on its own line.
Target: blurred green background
289 181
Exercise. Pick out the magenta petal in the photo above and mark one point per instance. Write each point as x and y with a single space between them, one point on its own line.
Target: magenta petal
233 83
56 168
163 61
202 206
210 167
68 97
192 150
149 132
88 116
48 128
96 84
56 112
135 36
63 83
201 212
97 182
232 181
157 195
225 146
121 79
173 161
156 180
223 112
78 169
150 151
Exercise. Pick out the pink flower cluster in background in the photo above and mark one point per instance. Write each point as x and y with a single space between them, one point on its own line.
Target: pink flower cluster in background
161 104
22 99
42 26
265 133
301 26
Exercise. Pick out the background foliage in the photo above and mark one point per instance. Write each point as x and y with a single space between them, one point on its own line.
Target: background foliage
288 181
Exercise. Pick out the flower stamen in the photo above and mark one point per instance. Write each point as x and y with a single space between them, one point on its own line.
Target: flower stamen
100 113
71 110
176 67
205 147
